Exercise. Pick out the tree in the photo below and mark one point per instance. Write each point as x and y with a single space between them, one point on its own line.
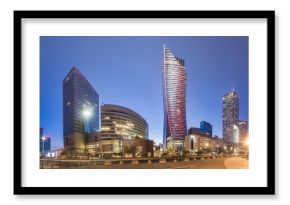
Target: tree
164 154
207 150
199 152
186 152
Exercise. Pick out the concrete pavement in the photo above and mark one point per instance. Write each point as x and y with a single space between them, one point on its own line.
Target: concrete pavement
236 163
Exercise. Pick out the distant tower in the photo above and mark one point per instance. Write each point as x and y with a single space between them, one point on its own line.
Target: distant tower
207 127
44 143
174 95
230 117
244 137
40 140
80 111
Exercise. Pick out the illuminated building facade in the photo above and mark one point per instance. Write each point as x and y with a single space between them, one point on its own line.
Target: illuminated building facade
197 142
122 123
243 128
236 134
202 142
230 117
80 111
174 94
123 131
216 144
190 143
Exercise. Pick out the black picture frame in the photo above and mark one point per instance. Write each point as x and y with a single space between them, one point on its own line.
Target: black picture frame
268 190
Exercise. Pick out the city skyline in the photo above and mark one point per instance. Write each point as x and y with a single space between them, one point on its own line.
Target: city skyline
127 78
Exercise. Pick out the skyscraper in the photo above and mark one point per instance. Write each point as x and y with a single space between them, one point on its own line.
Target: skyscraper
243 127
198 131
40 139
230 117
44 143
207 127
80 111
174 94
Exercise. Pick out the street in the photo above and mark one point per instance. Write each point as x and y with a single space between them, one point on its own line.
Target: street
218 163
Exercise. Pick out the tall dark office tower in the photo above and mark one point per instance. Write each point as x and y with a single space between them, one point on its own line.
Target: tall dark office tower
243 132
40 140
174 94
230 116
207 127
44 144
197 131
80 111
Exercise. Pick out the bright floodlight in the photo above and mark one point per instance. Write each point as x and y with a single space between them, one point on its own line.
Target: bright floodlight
87 113
43 138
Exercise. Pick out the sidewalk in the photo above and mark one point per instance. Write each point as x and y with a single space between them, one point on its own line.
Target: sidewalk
236 163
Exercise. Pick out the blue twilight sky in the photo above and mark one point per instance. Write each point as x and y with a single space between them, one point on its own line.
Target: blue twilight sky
127 71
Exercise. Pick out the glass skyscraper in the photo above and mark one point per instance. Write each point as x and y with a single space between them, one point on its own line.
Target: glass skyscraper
244 137
207 127
174 93
40 140
230 117
45 143
80 111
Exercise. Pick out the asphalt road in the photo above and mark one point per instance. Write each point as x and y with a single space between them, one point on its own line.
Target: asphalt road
197 164
220 163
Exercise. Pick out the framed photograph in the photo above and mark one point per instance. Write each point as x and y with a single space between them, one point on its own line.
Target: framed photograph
144 102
